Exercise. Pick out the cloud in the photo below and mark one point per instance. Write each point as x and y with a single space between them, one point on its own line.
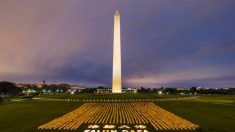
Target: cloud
36 38
207 76
168 42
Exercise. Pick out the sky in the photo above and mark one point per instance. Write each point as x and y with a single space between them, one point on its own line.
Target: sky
170 43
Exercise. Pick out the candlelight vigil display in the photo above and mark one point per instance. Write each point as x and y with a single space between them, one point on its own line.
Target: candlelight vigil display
119 117
117 66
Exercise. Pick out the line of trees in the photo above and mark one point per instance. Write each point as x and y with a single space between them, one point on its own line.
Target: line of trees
8 89
193 90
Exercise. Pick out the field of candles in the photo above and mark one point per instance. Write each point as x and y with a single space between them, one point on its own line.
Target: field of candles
120 114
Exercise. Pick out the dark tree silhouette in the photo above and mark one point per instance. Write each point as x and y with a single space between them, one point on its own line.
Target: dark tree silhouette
9 88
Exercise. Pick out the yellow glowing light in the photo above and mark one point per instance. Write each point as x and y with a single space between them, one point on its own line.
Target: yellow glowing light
117 81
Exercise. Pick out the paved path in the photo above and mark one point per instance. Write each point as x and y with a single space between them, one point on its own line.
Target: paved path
114 100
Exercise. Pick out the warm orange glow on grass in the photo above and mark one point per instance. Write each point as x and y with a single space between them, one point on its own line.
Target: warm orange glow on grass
120 113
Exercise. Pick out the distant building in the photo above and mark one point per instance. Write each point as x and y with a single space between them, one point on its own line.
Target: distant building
102 90
78 89
39 85
19 85
183 89
130 90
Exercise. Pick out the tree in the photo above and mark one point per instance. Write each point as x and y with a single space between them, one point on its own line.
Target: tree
9 88
170 90
193 90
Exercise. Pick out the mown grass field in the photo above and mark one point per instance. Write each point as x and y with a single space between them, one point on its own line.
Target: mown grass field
26 116
212 113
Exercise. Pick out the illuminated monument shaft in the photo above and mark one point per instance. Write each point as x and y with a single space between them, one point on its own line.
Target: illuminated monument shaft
117 80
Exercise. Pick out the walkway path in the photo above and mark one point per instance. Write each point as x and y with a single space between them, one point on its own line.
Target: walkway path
114 100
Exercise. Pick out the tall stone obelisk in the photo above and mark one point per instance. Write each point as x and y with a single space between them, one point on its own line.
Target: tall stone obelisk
117 76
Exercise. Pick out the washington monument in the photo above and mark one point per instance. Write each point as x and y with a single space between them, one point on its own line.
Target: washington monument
117 75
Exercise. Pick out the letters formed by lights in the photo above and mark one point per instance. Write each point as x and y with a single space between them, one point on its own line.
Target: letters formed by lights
113 128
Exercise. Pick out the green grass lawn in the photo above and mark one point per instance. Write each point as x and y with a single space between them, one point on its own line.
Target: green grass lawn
26 116
216 99
211 116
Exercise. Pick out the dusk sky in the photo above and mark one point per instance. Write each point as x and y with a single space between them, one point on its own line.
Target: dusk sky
164 42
